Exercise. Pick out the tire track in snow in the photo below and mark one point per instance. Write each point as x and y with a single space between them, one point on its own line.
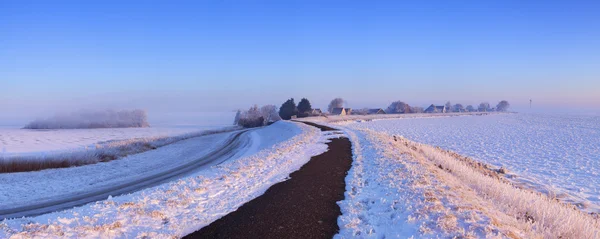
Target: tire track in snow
230 148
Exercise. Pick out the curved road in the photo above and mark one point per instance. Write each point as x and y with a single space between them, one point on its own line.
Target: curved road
232 146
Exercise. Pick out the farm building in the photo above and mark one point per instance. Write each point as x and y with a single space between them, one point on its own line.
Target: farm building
376 111
436 109
341 111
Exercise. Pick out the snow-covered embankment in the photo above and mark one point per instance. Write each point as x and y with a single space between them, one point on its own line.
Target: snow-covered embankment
178 208
398 188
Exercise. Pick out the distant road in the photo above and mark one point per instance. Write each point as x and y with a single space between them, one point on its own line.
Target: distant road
233 145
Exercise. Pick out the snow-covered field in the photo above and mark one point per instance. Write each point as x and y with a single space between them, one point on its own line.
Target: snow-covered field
553 153
17 141
401 189
181 207
25 141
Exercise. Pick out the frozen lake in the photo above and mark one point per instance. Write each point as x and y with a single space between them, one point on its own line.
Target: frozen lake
558 153
16 141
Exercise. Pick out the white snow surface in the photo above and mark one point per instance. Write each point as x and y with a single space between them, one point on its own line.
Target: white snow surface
25 187
15 141
556 154
181 207
389 195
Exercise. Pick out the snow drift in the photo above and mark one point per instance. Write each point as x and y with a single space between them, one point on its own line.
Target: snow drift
88 119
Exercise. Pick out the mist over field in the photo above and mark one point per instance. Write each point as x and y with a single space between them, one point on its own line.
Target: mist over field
89 119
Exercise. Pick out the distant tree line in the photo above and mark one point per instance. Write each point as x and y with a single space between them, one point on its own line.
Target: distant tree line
256 117
89 119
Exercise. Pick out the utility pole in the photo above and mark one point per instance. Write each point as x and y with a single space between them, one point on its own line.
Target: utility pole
530 100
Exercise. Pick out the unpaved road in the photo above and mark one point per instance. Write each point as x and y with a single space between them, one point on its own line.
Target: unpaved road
305 206
235 144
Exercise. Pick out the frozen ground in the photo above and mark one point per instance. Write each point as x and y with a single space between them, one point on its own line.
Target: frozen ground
555 153
178 208
25 141
400 189
17 141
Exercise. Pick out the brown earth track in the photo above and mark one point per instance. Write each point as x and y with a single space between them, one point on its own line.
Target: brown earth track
305 206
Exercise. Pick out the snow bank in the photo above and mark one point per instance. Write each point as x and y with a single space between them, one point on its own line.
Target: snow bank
88 119
178 208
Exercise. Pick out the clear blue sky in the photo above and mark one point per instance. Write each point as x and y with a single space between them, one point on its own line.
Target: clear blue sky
177 56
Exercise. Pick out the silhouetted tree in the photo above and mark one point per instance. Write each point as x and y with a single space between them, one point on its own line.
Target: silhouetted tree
335 103
458 108
483 107
304 108
288 109
470 108
398 107
502 106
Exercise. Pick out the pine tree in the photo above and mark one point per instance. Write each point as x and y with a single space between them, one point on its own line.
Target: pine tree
288 109
304 108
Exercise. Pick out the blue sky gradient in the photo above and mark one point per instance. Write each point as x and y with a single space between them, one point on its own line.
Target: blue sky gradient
183 56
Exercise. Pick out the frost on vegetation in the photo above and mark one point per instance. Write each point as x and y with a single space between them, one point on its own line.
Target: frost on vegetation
175 209
102 152
509 210
256 117
551 153
89 119
390 195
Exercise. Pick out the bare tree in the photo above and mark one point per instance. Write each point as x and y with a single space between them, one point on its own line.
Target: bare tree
398 107
470 108
458 108
269 114
335 103
502 106
448 106
483 107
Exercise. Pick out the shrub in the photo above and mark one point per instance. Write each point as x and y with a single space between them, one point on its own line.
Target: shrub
255 117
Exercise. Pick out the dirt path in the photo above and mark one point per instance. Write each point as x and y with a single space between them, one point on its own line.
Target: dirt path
301 207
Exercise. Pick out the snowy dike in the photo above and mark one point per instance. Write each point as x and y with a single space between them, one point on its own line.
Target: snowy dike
419 176
176 208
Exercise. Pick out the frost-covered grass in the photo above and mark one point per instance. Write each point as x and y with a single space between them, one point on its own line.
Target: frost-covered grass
398 188
555 154
178 208
389 194
545 216
101 152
